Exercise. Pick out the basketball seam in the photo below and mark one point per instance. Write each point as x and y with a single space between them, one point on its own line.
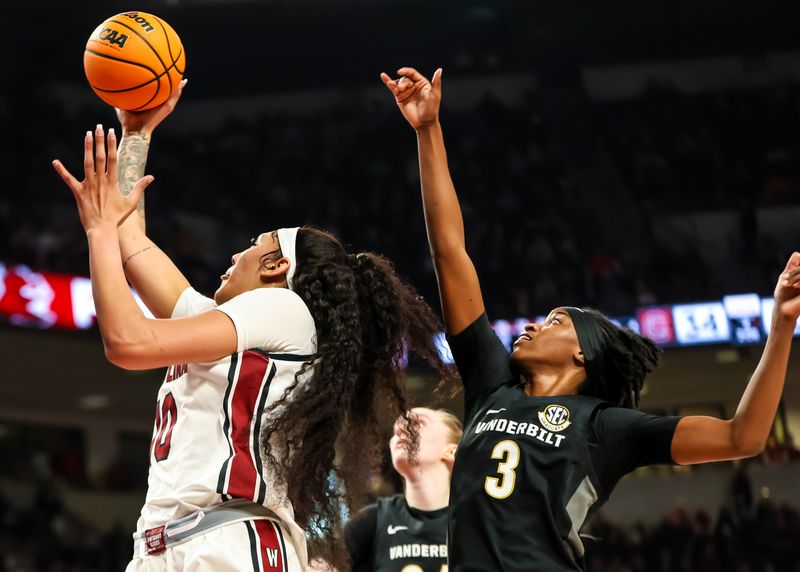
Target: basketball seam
148 68
144 39
169 50
166 37
159 76
169 45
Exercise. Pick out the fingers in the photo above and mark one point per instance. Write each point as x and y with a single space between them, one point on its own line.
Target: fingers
112 155
176 95
139 187
411 74
88 156
99 150
66 176
436 81
389 83
791 277
793 262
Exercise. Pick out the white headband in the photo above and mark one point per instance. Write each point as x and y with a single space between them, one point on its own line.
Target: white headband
287 238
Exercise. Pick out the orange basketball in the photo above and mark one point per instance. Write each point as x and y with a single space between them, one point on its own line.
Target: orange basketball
134 60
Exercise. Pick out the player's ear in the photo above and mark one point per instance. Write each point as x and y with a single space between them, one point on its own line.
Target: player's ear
579 359
449 455
273 270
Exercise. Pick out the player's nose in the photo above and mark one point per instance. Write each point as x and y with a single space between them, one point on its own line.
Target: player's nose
532 327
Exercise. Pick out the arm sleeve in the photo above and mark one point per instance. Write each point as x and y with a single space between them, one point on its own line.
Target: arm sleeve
359 536
628 439
481 359
190 303
272 319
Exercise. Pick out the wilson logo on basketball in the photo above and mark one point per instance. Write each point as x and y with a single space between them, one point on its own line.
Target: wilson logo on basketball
113 37
555 418
147 26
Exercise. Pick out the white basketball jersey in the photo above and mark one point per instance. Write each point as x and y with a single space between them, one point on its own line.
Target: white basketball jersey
205 446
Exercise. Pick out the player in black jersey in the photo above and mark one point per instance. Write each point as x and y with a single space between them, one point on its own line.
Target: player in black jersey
408 532
549 431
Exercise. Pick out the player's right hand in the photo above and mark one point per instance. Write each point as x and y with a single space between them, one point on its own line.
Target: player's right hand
787 291
417 98
145 122
99 201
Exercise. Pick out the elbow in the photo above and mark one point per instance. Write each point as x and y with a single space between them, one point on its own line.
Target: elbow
747 448
118 356
753 450
124 355
444 250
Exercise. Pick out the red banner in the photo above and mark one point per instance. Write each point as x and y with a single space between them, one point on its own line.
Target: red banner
45 299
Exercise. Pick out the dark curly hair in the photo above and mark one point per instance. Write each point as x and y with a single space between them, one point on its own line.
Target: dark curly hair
627 359
366 319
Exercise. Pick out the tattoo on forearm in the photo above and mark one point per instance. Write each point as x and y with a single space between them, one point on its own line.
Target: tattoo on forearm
132 160
134 254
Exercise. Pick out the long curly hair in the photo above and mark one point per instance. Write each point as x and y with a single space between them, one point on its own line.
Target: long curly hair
627 359
367 319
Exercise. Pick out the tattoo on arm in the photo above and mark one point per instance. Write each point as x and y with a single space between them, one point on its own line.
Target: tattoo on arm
132 160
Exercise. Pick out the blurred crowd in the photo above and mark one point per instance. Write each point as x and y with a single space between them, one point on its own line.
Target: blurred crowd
538 228
47 537
748 535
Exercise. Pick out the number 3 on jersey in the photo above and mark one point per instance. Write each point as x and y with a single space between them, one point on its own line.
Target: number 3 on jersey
507 452
166 416
418 568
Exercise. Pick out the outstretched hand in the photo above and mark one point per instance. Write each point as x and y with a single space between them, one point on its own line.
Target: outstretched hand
787 292
99 200
417 98
147 121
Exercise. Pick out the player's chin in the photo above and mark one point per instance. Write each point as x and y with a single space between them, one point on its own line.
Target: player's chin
517 360
221 295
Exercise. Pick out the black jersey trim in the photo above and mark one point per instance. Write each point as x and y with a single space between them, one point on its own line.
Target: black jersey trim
227 426
253 545
283 357
279 530
262 485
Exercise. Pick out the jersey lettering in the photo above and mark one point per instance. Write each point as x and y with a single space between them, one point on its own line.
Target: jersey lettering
166 417
511 427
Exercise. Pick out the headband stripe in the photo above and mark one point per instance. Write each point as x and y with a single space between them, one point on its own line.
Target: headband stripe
287 240
590 338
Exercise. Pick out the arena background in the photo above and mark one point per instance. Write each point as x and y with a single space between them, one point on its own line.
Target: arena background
624 155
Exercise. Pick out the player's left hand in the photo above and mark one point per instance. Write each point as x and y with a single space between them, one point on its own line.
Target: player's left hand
99 200
145 122
787 291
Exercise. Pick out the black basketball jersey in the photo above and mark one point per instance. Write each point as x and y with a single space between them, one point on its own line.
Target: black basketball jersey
529 470
407 540
389 536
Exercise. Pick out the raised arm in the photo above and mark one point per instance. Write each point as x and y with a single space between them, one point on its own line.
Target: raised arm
701 439
151 272
131 340
459 288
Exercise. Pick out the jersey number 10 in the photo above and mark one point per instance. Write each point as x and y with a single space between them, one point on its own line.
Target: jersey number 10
166 416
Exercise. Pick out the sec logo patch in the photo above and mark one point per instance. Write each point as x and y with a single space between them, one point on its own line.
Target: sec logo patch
555 418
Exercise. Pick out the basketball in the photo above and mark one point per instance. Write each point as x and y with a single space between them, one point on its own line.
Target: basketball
134 60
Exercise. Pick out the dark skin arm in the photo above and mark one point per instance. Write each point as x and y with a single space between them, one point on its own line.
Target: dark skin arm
459 287
700 439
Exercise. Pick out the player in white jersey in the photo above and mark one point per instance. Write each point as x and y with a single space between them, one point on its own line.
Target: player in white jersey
297 348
